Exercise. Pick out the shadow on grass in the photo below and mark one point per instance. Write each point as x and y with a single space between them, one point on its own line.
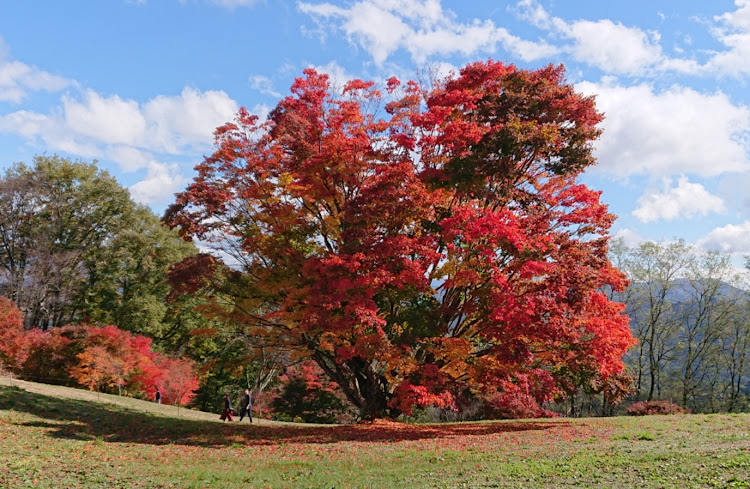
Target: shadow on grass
89 420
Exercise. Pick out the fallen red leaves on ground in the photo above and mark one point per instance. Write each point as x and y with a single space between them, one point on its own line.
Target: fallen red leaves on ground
389 432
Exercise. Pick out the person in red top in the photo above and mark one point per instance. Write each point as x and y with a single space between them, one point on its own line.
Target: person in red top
226 415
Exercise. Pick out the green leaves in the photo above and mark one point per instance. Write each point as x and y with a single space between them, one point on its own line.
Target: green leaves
75 247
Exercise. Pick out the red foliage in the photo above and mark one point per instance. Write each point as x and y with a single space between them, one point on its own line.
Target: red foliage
13 344
310 375
179 381
94 357
51 354
406 396
448 247
191 275
645 408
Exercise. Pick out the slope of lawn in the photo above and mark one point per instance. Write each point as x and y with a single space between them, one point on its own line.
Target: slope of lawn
66 438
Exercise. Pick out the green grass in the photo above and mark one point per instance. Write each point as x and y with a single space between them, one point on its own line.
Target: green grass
63 438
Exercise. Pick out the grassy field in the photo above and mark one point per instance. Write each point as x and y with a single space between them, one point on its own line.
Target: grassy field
65 438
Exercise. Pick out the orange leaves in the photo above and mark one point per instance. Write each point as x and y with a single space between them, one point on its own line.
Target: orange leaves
97 368
451 354
327 341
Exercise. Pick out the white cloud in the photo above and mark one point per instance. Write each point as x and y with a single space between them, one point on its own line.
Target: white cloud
425 29
442 70
610 46
50 129
108 120
128 158
732 238
24 123
421 27
171 124
739 19
683 201
17 79
630 238
733 30
262 111
263 84
618 49
159 185
677 131
187 120
337 75
733 187
129 133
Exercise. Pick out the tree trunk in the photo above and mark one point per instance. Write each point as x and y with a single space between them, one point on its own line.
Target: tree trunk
360 383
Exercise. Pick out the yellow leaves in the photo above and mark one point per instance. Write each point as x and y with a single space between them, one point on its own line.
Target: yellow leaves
452 354
398 365
450 267
285 179
326 341
396 330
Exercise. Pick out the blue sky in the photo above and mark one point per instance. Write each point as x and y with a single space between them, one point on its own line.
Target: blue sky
140 85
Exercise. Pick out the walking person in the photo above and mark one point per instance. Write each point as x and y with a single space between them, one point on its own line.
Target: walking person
228 410
247 406
157 397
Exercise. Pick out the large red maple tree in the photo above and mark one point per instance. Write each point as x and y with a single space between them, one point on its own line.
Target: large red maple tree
423 246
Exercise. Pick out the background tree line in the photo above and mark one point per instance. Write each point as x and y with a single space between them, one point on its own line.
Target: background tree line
75 248
689 310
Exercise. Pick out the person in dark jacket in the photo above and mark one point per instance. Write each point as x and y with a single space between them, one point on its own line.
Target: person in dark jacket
228 409
247 406
157 397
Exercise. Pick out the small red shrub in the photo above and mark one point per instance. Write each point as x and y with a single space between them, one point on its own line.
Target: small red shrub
645 408
515 405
